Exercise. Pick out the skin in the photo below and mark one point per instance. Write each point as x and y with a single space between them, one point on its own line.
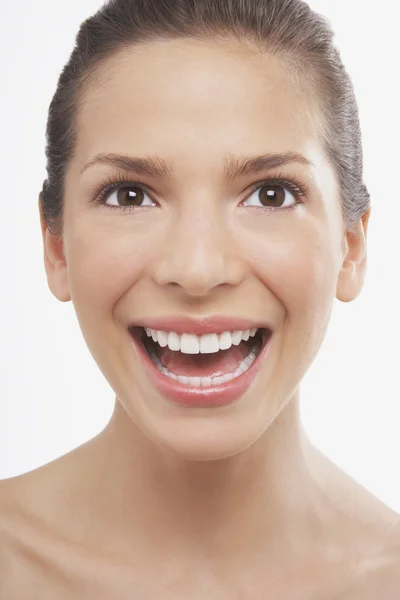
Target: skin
230 502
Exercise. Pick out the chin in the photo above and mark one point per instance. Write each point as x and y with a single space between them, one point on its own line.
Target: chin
205 437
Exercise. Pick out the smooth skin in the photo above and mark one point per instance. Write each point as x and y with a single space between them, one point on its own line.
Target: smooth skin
222 503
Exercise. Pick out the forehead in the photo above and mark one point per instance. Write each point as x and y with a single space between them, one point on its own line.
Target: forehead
195 97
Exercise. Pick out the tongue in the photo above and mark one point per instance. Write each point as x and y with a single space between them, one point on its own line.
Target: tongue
203 365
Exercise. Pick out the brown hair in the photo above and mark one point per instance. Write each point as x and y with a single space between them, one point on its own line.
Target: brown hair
302 38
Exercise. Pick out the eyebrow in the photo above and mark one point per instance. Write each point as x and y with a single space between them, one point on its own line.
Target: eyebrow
234 166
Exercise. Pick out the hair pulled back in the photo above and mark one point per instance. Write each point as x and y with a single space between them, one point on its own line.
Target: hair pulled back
289 29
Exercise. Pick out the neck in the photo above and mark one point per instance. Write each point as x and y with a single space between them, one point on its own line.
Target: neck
262 500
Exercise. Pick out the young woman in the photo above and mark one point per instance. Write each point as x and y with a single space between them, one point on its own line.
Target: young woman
204 207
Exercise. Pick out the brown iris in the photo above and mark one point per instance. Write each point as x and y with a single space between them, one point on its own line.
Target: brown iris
272 194
130 196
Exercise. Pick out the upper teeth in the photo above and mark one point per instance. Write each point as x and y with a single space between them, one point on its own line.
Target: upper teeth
189 343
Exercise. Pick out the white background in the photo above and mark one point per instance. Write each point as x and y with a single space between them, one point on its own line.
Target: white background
54 396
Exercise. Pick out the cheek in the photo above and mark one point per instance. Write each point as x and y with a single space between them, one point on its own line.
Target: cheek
104 264
300 272
300 269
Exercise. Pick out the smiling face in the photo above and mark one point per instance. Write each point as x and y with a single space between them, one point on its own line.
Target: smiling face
199 239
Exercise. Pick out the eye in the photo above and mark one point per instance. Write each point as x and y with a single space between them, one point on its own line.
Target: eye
128 197
272 195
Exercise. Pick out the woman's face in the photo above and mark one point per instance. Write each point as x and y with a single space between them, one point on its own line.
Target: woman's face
200 242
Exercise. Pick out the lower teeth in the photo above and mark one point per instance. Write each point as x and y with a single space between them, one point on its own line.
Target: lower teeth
201 382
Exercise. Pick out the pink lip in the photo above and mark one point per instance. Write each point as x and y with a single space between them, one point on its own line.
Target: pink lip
185 395
201 325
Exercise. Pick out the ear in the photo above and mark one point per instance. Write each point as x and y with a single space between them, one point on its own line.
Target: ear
353 269
54 260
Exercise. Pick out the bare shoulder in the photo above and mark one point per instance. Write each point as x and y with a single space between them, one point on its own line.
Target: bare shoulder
380 581
27 559
386 574
8 553
22 538
378 577
8 510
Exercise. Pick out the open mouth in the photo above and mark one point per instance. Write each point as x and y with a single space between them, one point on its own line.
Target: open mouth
202 361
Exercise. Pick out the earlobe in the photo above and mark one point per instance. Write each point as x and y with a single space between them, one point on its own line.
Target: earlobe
54 260
353 270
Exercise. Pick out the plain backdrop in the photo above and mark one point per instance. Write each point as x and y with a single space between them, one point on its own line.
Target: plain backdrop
53 395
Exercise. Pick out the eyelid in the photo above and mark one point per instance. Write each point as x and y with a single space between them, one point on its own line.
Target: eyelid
293 184
114 182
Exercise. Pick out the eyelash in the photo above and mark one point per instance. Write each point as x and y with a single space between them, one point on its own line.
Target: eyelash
111 184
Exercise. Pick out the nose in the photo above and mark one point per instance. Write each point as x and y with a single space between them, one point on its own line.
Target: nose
200 254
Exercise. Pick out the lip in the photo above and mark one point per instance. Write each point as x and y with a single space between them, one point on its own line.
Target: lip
193 397
200 325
